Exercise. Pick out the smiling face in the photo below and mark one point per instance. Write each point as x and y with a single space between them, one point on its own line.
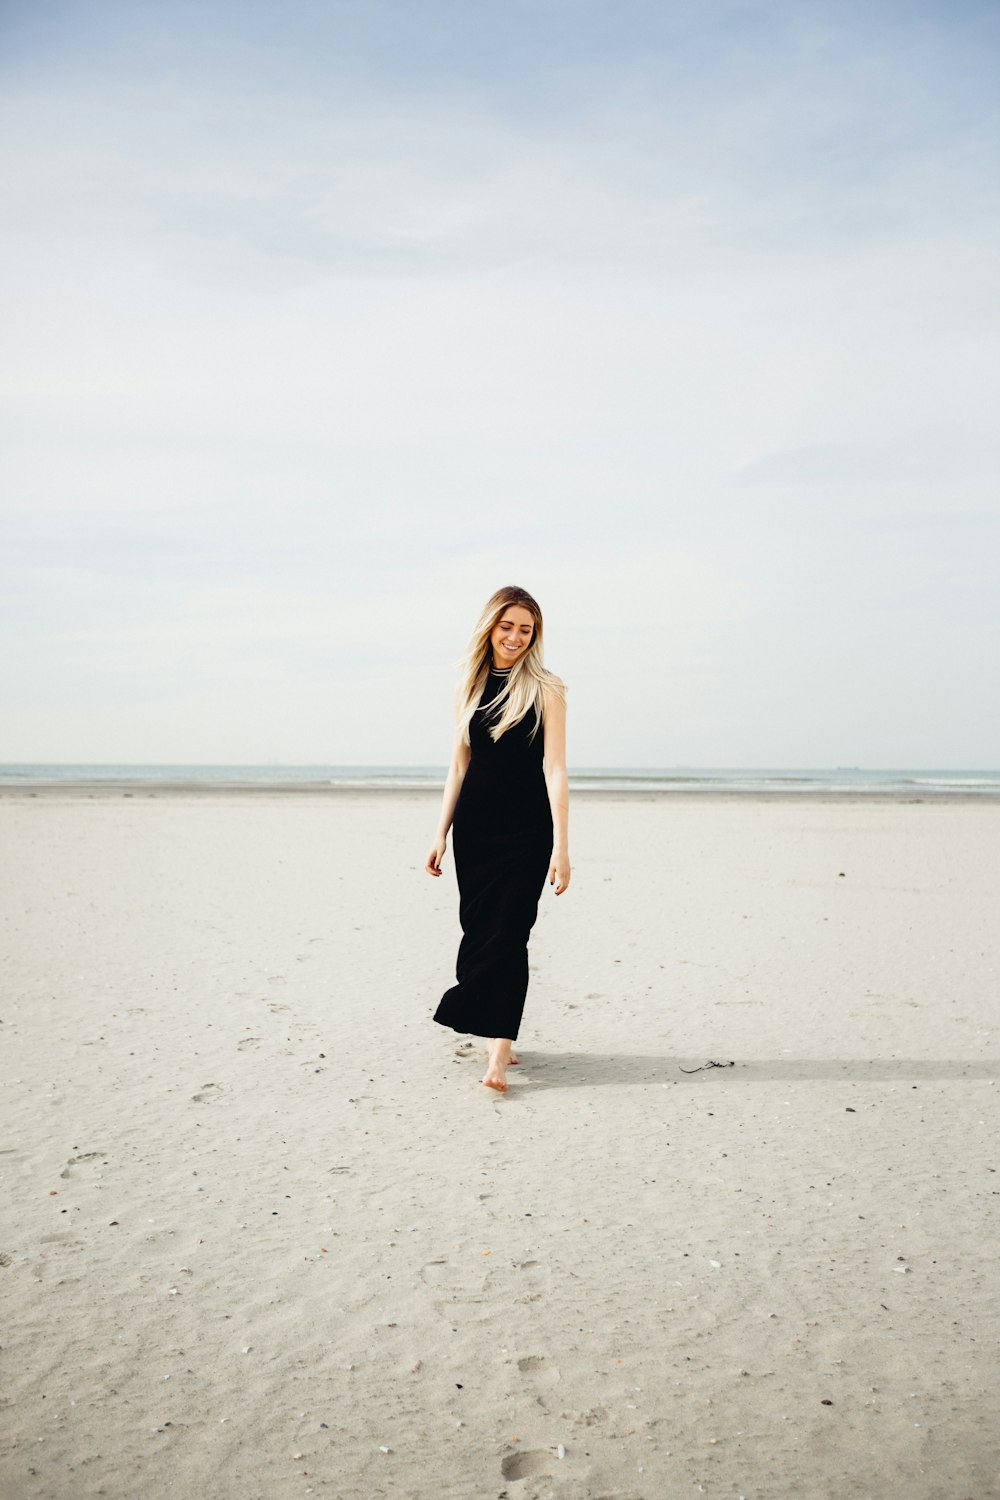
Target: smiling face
512 635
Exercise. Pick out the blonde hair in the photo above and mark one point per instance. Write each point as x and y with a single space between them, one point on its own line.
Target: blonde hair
525 683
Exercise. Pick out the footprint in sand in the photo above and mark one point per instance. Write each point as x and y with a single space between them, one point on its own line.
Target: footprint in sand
84 1156
524 1465
535 1283
463 1285
274 1006
541 1367
585 1418
247 1041
207 1093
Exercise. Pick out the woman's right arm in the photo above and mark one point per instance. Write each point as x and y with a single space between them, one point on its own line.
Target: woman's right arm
460 754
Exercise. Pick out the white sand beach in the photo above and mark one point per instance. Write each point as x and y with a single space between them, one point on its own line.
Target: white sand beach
267 1236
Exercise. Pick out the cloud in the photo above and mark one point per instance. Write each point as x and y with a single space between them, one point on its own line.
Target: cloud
925 460
320 326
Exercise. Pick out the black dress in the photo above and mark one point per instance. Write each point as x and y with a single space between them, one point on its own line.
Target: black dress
502 839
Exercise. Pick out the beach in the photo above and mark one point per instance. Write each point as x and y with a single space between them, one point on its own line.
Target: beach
266 1235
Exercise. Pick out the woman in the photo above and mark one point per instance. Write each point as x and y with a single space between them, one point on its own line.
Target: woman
507 796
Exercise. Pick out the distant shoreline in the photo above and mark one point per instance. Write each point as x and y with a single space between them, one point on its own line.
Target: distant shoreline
105 789
783 783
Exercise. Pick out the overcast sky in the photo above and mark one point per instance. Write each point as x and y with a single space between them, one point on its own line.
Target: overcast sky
323 320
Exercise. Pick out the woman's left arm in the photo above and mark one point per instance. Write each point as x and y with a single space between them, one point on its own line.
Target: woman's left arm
557 782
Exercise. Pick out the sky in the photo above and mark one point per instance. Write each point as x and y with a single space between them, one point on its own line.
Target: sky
325 320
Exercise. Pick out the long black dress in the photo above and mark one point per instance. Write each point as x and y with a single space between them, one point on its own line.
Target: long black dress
502 839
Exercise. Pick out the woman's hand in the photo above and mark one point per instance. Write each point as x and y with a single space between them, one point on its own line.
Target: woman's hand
435 856
559 872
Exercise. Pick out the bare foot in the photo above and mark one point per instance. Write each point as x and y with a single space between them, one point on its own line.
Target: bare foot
492 1041
496 1070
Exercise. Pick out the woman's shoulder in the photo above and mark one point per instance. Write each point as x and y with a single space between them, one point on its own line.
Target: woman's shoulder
553 687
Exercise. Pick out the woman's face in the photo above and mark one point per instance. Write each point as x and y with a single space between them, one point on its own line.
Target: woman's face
511 635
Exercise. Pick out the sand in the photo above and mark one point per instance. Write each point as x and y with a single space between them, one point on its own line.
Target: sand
266 1235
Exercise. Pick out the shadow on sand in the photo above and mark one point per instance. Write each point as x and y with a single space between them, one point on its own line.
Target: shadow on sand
585 1069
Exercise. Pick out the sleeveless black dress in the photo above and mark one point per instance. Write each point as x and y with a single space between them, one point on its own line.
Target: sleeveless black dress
502 839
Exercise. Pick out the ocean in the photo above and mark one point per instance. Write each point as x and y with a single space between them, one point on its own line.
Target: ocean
853 780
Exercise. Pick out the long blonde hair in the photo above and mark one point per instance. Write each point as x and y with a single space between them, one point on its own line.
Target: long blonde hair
526 681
